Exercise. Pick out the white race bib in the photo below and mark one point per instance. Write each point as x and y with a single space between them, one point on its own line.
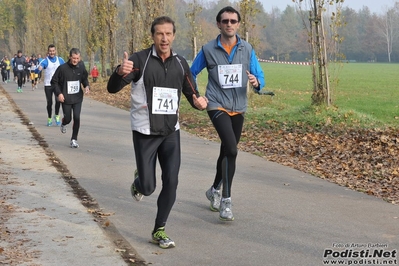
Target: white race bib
230 76
164 101
20 67
73 87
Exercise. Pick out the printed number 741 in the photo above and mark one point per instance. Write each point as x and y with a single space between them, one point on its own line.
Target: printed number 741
165 104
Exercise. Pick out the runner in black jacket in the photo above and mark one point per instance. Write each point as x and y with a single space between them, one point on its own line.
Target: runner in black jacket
159 77
19 68
67 82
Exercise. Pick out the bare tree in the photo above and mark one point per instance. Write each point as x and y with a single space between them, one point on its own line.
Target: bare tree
153 9
389 28
143 13
248 11
40 22
112 25
57 20
136 25
33 29
17 24
5 26
195 30
101 13
318 47
92 40
79 24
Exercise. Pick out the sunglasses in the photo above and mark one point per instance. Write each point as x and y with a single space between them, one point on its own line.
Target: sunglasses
232 21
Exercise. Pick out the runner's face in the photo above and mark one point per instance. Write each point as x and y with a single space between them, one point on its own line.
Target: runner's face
51 52
163 38
228 30
75 58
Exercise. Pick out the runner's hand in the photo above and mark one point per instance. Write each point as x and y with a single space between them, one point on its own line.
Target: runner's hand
61 98
126 67
201 102
253 80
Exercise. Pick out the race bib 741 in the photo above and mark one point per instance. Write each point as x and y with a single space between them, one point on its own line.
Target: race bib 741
164 101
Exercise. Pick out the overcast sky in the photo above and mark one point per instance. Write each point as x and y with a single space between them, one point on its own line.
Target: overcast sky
376 6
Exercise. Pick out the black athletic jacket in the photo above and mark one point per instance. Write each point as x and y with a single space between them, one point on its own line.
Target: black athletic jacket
174 72
66 73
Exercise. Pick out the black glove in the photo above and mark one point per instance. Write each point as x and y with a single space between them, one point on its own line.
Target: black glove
262 92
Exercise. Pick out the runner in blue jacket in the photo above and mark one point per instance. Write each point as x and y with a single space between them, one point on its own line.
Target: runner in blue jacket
231 63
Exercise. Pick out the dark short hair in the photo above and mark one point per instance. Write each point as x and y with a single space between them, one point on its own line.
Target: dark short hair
50 46
160 21
227 9
19 52
74 51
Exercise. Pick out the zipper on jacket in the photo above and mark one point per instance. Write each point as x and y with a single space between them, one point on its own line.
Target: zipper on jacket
191 85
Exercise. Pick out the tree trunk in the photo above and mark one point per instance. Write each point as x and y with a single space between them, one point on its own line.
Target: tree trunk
321 93
194 47
312 49
325 63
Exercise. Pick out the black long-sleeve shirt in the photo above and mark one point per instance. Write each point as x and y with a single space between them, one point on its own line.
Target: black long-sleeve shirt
19 63
68 80
153 72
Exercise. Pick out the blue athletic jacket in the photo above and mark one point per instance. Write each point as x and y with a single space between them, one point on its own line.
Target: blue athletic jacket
213 55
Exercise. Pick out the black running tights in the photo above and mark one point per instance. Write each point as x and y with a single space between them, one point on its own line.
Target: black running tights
76 108
20 78
49 97
229 129
147 149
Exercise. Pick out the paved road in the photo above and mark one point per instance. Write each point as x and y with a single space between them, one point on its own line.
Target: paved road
42 222
282 216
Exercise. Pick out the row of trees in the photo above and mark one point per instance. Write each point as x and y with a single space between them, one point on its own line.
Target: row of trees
103 29
32 24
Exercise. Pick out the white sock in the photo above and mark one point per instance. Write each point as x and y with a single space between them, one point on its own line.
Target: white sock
214 190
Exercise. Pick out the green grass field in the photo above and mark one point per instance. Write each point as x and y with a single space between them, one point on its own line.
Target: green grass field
364 95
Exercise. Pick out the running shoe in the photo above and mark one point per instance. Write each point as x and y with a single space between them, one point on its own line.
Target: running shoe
19 89
135 193
63 129
49 122
214 198
225 213
57 120
159 237
74 144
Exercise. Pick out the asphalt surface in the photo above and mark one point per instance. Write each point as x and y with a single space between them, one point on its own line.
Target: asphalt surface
282 216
